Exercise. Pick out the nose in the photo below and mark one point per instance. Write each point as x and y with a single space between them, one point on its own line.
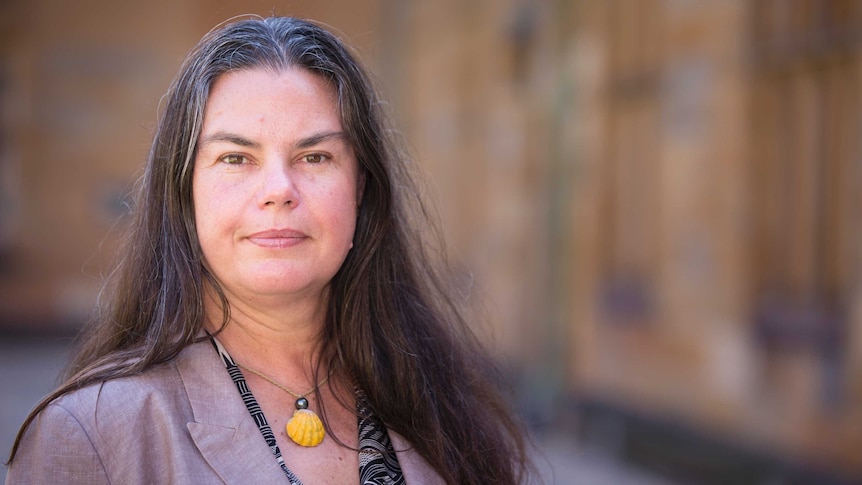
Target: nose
277 186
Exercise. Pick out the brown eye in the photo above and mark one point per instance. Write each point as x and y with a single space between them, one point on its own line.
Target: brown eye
314 158
233 159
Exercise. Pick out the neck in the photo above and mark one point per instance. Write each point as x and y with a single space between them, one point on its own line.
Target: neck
282 338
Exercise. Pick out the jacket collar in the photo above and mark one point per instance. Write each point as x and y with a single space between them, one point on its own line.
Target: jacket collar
223 431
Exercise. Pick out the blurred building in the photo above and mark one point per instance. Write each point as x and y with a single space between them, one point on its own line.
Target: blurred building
717 241
654 198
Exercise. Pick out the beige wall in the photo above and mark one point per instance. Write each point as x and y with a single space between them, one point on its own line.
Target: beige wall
673 204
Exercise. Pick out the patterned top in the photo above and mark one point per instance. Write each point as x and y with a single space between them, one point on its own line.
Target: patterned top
378 464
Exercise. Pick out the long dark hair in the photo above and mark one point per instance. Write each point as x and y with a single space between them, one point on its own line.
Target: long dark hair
393 324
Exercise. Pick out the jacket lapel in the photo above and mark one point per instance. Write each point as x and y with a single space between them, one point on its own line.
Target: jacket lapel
223 430
416 470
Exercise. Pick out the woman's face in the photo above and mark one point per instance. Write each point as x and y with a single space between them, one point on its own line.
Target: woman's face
276 184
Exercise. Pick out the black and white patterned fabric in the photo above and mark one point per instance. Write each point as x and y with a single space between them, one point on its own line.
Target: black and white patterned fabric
378 464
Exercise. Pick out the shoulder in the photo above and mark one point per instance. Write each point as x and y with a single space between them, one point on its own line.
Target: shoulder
76 437
125 397
58 434
156 396
133 398
123 430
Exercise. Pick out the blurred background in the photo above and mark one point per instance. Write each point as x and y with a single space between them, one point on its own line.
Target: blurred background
654 199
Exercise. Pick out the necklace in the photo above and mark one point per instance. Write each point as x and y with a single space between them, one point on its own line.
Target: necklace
304 427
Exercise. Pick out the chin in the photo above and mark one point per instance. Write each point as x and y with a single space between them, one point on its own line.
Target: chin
284 286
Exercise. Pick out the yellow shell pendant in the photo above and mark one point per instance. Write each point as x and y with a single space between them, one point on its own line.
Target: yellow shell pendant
305 428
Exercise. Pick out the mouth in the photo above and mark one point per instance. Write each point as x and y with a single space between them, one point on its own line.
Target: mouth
277 238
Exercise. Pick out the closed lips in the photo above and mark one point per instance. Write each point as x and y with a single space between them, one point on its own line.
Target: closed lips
277 238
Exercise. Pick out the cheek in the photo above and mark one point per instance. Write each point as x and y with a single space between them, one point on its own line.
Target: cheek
345 211
208 215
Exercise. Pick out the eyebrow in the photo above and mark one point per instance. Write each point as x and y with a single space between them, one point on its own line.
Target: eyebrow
222 136
320 138
240 140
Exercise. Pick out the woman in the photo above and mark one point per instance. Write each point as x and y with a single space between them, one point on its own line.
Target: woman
274 277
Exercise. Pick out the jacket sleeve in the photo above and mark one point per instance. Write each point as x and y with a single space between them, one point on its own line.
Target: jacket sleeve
56 449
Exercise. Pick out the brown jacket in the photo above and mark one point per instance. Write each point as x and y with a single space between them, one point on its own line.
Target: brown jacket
182 422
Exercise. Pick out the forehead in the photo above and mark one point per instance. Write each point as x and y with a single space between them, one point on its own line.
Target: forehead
263 99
